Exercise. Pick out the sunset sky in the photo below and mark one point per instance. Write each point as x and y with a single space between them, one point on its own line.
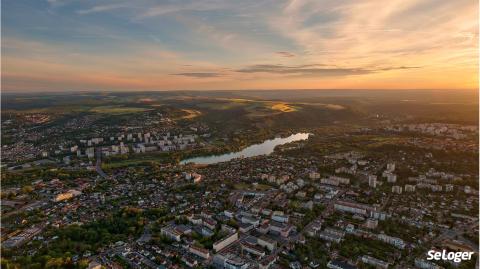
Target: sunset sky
62 45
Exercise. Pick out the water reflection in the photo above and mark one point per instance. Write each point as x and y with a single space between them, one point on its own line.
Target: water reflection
264 148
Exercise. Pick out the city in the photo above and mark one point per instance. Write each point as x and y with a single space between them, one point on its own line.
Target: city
361 193
252 134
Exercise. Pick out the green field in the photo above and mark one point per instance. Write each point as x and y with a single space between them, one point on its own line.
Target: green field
117 109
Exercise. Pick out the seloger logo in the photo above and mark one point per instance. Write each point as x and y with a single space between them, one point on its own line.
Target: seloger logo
449 256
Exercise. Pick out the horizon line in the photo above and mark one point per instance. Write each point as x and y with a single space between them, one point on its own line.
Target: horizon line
228 90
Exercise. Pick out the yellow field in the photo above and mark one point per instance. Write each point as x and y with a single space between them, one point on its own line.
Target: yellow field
191 114
283 107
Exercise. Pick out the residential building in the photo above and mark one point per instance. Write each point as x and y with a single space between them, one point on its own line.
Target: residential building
336 264
227 240
229 261
374 261
354 208
397 189
372 181
201 252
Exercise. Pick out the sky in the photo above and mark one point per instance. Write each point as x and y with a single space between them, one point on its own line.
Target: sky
68 45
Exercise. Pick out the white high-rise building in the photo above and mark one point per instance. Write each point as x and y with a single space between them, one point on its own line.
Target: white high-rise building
391 178
90 152
391 167
449 187
409 188
372 181
314 175
397 189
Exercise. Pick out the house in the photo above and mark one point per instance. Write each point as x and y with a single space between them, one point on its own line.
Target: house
245 227
171 233
336 264
253 249
230 261
210 223
267 242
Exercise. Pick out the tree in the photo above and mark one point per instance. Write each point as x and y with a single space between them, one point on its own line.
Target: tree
27 189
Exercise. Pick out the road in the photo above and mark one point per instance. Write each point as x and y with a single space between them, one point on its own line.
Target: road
98 165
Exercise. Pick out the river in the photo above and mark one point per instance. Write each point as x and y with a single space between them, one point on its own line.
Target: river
265 148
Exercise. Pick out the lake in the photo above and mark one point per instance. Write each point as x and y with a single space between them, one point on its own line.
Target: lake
265 148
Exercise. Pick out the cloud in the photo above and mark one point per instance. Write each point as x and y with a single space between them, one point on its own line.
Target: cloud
303 70
314 70
349 32
168 44
55 3
200 74
101 8
285 54
163 9
398 68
